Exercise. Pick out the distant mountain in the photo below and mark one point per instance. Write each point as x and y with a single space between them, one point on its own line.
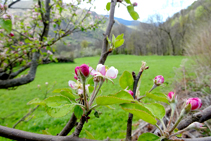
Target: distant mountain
125 22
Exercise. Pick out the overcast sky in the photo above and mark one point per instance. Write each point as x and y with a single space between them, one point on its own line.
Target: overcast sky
145 8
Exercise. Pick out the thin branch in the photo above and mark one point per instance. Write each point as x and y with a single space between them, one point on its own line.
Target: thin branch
107 34
24 117
130 116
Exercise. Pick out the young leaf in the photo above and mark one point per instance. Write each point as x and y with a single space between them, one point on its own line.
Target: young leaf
78 111
132 13
90 136
109 41
157 110
148 137
36 101
158 97
142 115
109 100
66 92
137 106
119 37
123 95
57 101
113 39
59 111
119 43
108 5
91 81
126 80
128 1
6 24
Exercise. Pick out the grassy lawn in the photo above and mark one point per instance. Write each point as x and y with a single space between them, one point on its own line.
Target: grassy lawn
112 123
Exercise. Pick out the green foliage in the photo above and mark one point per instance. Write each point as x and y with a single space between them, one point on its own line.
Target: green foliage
58 106
6 24
132 13
157 110
199 11
78 111
128 1
158 97
108 5
126 80
36 101
62 73
66 92
148 137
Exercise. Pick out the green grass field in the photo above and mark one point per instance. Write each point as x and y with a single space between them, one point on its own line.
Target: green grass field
112 123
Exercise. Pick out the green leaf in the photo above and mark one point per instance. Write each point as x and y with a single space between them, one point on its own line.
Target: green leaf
128 1
109 100
57 101
89 135
157 110
148 137
158 97
108 5
113 39
36 101
59 111
132 13
91 89
126 80
66 92
109 41
123 95
78 111
137 106
119 37
142 115
119 43
6 24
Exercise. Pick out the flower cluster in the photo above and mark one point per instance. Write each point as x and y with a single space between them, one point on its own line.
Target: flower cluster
158 80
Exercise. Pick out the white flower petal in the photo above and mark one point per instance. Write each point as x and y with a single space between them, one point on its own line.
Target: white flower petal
112 72
71 84
101 68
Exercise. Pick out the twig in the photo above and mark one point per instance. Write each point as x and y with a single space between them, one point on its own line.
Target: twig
24 117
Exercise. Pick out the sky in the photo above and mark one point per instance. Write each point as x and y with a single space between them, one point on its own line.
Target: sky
145 8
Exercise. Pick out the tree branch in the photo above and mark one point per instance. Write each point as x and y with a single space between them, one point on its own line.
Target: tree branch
107 34
199 117
69 126
130 116
4 84
27 136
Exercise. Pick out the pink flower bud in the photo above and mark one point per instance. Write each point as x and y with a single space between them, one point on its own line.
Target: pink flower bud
130 92
194 102
158 80
11 34
76 70
170 95
75 76
135 4
84 68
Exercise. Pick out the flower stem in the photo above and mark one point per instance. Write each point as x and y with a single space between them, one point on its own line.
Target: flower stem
159 129
153 87
164 126
178 120
173 106
84 95
95 94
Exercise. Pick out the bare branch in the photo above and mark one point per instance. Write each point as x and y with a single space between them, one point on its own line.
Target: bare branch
27 136
199 117
107 34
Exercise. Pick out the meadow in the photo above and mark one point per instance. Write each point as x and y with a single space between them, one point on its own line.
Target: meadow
112 122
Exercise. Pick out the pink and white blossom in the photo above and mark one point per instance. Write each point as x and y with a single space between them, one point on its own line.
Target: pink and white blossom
195 103
78 86
106 73
171 96
158 80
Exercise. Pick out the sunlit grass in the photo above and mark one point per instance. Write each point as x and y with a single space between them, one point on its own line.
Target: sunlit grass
112 123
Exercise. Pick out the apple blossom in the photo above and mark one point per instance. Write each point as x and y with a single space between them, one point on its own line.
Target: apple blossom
49 52
130 92
77 86
195 103
158 80
171 96
106 73
84 68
